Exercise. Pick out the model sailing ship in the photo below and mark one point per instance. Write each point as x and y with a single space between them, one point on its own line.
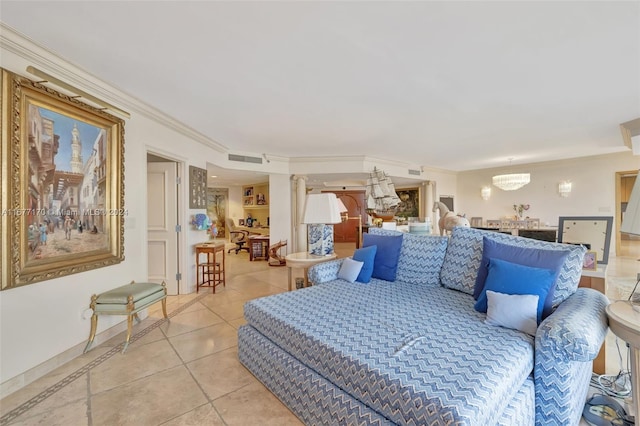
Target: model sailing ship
382 200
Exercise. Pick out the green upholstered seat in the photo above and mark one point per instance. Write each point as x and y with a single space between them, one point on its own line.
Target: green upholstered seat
121 294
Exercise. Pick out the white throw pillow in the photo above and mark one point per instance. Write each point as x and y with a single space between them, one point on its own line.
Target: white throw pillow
515 311
350 269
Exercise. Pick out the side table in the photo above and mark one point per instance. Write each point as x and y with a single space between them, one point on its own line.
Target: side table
304 260
624 322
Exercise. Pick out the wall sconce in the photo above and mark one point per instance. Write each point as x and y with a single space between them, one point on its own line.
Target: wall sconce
564 188
485 192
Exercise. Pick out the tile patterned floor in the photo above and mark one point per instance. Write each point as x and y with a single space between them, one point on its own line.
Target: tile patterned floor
185 371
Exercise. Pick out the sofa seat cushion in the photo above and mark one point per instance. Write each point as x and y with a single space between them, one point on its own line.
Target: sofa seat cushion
438 364
464 253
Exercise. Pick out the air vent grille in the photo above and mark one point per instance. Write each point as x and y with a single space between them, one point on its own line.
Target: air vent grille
414 172
245 159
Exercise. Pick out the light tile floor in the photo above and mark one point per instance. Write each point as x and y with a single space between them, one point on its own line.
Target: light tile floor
186 371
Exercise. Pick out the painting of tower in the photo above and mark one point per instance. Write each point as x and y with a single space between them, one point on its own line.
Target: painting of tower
76 150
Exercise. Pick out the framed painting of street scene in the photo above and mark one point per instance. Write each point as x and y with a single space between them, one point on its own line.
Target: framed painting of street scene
62 201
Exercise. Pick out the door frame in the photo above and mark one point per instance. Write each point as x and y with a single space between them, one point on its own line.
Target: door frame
181 241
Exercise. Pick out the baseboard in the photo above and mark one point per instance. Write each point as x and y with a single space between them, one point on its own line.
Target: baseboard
21 380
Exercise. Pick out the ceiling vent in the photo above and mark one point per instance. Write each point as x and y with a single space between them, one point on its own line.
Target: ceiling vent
245 159
414 172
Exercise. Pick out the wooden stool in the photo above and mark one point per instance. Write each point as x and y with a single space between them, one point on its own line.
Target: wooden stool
211 272
126 300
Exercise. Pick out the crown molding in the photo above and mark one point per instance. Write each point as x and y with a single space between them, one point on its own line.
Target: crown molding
38 56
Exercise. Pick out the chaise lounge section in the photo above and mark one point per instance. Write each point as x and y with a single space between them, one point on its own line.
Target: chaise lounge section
416 351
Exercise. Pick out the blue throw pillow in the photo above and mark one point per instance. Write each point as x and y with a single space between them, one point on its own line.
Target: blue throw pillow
527 256
511 278
366 255
385 265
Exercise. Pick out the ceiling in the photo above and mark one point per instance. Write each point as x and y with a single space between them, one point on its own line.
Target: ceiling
453 85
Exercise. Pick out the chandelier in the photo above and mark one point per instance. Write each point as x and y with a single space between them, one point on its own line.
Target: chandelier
511 182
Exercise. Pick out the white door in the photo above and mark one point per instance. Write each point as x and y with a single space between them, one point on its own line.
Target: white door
162 219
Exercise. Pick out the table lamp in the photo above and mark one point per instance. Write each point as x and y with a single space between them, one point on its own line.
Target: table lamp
321 211
631 225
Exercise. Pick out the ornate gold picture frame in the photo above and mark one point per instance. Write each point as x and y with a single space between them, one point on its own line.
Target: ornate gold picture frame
62 204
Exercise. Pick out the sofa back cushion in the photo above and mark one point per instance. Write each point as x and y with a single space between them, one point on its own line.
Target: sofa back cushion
421 257
464 253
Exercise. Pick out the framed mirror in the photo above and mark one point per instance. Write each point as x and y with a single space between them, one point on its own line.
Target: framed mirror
592 231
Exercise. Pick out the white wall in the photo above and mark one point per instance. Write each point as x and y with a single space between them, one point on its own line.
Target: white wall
593 191
42 322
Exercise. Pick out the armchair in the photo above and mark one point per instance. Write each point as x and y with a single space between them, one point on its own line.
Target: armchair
238 236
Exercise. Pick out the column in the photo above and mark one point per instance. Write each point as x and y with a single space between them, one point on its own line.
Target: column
429 200
301 228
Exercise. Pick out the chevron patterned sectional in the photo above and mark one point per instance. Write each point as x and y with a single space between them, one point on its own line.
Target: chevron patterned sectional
415 351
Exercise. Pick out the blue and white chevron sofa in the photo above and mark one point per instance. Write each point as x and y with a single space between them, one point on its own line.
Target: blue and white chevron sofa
415 351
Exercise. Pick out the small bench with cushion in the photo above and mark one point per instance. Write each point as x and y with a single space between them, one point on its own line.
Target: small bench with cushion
126 300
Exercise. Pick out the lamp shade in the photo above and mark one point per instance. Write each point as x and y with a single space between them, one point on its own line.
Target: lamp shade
321 208
631 220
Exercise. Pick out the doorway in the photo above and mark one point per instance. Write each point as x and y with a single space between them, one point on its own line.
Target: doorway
163 217
626 245
347 231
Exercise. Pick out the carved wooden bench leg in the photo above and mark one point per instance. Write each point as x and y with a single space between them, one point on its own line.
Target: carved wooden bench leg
94 323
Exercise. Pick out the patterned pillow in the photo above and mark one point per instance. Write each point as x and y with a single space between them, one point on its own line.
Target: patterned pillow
464 253
421 257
